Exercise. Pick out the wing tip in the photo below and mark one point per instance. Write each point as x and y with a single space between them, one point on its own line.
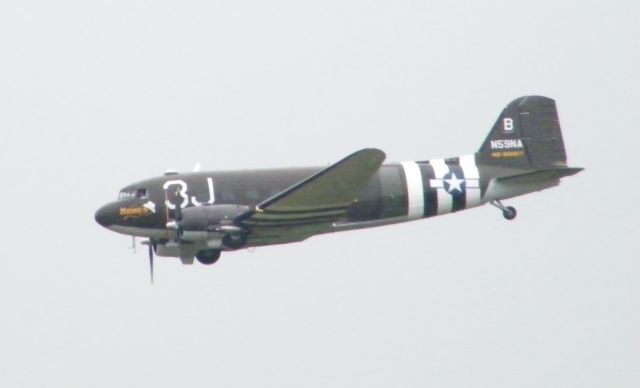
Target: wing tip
372 152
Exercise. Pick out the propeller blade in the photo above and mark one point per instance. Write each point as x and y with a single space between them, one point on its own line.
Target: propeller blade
151 261
133 244
177 215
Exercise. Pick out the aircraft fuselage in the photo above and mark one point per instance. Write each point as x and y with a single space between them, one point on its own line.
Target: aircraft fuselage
397 192
200 214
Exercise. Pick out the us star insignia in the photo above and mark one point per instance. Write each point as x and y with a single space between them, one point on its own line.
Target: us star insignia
453 184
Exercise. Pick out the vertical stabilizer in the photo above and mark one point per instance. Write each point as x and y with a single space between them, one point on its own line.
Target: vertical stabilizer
526 135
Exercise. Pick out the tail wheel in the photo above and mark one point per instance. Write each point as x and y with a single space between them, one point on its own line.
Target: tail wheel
509 213
208 256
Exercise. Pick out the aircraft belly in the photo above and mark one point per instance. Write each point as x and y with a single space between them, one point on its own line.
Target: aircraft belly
272 235
345 225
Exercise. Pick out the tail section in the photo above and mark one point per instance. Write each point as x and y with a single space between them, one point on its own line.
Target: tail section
526 135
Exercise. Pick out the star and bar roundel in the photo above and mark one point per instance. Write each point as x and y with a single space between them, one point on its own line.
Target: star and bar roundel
454 183
442 186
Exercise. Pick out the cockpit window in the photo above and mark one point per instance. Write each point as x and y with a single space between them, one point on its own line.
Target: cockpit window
133 193
125 194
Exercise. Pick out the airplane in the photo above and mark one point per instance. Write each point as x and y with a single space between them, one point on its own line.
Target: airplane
200 214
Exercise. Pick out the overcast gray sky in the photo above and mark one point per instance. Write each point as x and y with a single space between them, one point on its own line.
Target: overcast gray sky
95 95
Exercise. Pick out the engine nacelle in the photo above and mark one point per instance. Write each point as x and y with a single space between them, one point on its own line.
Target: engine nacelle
205 222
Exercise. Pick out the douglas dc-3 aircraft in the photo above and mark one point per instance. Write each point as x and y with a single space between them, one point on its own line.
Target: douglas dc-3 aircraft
201 214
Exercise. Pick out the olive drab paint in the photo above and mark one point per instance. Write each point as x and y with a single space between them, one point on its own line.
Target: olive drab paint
201 213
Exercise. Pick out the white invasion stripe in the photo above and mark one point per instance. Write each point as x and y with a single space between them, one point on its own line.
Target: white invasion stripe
472 183
472 177
445 203
415 192
468 164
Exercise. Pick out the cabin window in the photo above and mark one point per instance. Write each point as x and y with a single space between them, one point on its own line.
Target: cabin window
141 193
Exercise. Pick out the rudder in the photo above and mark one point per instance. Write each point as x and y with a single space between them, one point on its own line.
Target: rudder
526 135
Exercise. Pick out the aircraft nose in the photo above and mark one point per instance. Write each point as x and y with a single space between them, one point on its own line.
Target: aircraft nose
103 216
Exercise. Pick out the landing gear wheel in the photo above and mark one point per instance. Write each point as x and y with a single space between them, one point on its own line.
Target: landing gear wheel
509 213
209 256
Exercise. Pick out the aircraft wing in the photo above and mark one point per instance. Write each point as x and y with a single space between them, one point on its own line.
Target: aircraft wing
322 198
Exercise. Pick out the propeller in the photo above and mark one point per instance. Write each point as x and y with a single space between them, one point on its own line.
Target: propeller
151 260
153 245
175 222
177 214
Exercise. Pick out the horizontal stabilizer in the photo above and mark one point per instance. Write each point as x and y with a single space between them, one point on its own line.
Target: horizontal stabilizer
545 175
528 182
